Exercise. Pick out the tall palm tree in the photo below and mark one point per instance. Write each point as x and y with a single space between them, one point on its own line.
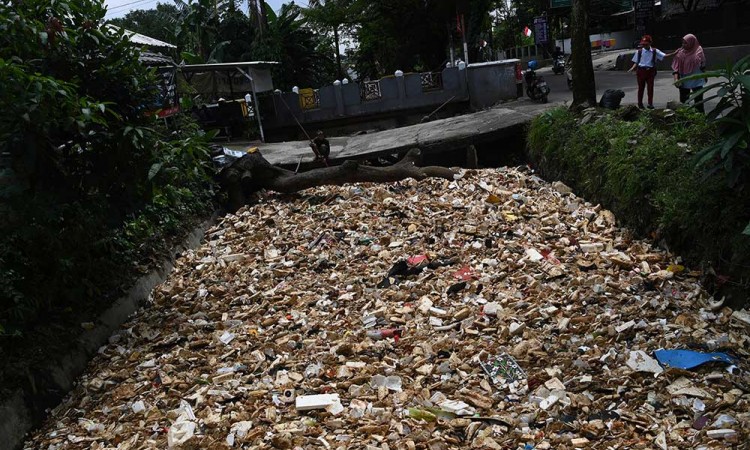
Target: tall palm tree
289 41
263 15
258 15
197 23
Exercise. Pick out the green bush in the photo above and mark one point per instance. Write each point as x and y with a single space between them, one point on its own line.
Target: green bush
729 154
93 186
644 171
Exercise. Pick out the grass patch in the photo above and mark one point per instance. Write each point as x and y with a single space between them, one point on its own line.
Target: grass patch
643 169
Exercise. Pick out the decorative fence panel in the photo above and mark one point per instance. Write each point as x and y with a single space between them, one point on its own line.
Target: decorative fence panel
370 90
431 81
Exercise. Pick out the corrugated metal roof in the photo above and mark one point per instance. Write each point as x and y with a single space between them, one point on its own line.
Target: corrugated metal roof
153 59
227 66
140 39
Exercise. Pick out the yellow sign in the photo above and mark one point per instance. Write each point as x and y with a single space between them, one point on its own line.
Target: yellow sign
308 99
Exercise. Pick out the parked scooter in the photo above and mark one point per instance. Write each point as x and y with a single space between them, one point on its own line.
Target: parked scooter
536 87
558 65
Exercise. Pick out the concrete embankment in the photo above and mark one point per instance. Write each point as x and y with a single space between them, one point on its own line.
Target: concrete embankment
23 409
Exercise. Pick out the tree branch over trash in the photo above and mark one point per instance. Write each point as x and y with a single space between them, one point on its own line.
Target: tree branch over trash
253 172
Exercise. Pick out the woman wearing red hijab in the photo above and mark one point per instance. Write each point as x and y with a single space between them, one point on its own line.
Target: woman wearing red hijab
689 60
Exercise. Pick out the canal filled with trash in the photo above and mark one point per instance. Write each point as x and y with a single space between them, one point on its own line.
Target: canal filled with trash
497 310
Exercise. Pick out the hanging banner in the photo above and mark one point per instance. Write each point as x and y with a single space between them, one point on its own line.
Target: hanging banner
541 30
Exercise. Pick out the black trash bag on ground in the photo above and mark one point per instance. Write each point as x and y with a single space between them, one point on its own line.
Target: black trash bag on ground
611 98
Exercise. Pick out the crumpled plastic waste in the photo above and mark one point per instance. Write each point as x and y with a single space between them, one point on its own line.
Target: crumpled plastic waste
689 359
507 322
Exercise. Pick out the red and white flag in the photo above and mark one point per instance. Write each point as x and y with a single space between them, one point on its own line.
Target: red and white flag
527 31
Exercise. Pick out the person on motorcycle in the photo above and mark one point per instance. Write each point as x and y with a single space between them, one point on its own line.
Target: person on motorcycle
529 75
536 88
558 61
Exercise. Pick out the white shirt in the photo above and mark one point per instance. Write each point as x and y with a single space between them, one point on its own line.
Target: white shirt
647 56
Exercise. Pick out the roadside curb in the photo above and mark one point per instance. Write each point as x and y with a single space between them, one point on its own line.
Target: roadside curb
22 409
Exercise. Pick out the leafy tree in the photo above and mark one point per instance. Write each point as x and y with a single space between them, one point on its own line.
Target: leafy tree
507 30
511 16
336 16
158 23
479 25
73 85
204 31
236 29
514 15
729 156
402 34
87 158
296 47
197 24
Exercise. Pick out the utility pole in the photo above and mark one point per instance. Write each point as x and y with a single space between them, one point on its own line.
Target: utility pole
562 34
338 53
463 37
489 39
453 56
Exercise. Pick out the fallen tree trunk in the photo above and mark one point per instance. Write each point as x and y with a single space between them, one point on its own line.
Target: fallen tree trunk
253 172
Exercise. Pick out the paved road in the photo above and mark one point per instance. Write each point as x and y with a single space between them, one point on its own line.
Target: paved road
664 90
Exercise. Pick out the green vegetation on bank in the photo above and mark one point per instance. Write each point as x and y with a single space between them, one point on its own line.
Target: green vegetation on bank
729 154
92 186
645 171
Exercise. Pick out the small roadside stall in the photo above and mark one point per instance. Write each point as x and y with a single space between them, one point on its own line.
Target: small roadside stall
153 54
226 94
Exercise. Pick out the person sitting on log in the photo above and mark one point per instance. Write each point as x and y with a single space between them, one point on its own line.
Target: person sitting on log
320 146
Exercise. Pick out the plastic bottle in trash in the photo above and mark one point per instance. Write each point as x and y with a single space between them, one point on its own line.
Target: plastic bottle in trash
377 335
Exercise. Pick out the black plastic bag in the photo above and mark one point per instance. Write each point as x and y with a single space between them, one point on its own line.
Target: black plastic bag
611 98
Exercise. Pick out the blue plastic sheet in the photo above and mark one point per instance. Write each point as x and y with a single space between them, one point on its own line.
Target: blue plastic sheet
689 359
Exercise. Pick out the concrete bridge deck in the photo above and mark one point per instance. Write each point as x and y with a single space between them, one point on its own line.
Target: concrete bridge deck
431 137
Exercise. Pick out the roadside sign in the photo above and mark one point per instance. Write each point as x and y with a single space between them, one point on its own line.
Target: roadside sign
644 11
541 30
560 3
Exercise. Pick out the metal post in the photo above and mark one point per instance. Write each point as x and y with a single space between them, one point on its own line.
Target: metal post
463 36
562 35
256 107
453 56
